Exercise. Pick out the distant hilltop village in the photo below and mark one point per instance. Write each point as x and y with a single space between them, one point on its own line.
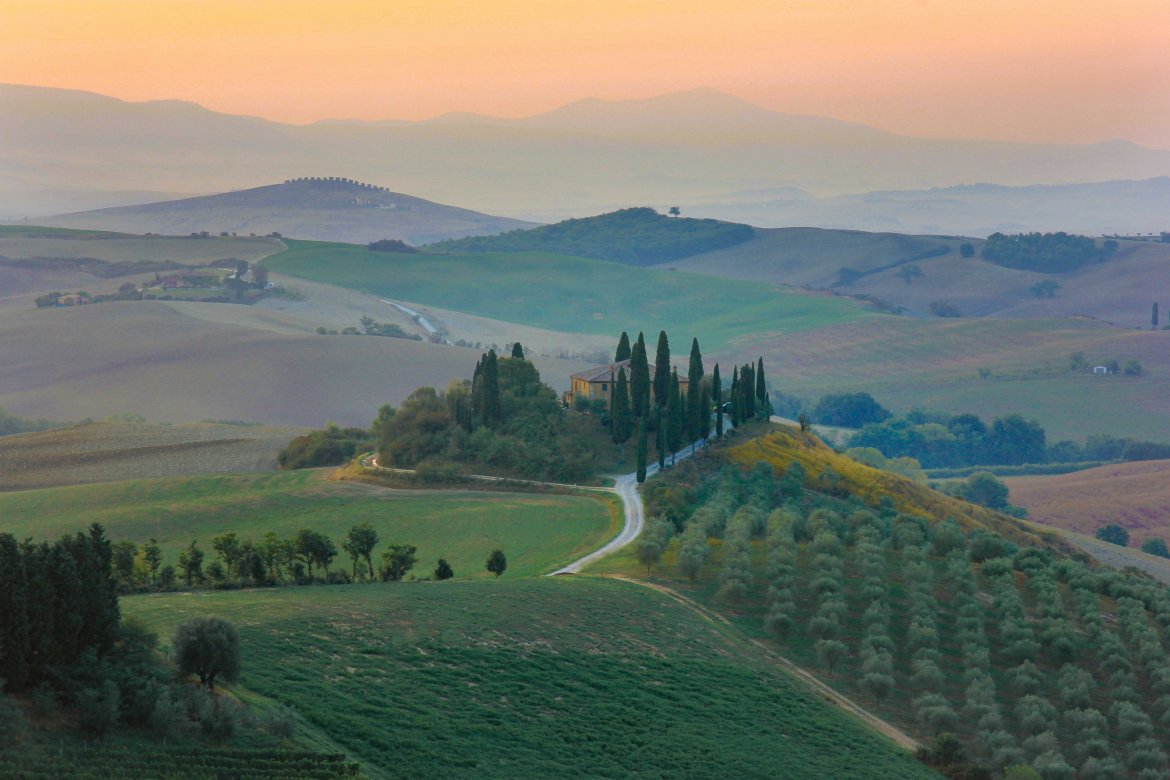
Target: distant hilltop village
339 180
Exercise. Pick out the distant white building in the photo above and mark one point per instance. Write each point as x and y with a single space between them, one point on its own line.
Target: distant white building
1100 369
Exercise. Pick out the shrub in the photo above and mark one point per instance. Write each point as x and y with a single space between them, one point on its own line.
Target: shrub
1114 534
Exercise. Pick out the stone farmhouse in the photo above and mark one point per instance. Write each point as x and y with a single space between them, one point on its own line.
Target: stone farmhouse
598 382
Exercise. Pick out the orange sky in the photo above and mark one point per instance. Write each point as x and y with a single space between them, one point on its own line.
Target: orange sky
1041 70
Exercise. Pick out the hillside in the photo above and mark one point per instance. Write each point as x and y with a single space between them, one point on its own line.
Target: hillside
679 149
637 236
99 452
532 678
215 361
1116 290
1135 496
322 209
572 294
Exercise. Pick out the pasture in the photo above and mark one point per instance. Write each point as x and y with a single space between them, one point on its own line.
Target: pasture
531 678
569 294
538 533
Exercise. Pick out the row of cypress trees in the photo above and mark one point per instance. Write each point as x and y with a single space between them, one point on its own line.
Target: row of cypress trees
56 602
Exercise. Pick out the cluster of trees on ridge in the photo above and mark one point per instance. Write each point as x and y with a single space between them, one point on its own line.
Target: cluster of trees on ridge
303 559
636 236
1013 656
1115 534
1047 253
64 646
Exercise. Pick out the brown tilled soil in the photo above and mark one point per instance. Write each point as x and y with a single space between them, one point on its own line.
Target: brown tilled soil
1135 496
102 452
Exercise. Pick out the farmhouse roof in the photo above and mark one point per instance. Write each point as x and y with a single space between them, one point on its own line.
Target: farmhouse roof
608 373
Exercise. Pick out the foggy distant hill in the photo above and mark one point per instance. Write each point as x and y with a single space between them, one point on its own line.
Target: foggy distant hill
323 210
687 148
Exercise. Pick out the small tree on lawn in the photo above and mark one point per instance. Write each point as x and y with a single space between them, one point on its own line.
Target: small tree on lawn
1155 546
208 647
497 563
443 570
397 560
359 545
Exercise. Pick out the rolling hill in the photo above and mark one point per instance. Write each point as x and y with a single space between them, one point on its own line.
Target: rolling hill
1135 496
323 209
700 147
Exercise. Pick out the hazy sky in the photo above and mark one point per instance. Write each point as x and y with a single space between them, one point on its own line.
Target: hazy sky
1038 70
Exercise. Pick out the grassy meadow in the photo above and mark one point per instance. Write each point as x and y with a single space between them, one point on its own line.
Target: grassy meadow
538 533
531 678
569 294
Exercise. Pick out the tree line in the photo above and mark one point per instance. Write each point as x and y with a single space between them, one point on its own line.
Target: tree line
1048 253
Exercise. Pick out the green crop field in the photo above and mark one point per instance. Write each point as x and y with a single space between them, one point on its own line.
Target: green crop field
569 294
531 678
537 532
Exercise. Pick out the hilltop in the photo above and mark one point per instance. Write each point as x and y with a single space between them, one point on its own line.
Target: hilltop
323 208
636 236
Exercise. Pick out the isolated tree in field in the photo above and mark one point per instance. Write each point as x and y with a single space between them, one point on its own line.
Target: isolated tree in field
623 348
359 544
639 379
1114 534
642 453
909 273
621 420
208 647
1154 316
443 570
397 560
674 211
496 562
1156 546
662 370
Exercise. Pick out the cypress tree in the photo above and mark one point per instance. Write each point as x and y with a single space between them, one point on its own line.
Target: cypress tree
747 392
763 402
717 399
662 370
518 351
623 349
639 379
660 438
695 409
705 408
621 421
736 410
1154 317
674 417
641 450
488 411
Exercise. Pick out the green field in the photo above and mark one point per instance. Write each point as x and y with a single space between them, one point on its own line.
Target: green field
568 294
534 678
537 532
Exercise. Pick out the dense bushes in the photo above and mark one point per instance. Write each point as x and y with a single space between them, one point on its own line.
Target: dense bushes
638 236
329 447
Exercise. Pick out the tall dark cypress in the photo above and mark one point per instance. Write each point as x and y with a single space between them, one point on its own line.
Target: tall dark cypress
695 409
762 400
623 349
660 438
736 410
662 370
488 411
705 417
517 351
100 594
621 421
641 475
639 379
717 399
674 416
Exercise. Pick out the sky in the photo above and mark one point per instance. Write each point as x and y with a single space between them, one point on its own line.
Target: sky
1076 71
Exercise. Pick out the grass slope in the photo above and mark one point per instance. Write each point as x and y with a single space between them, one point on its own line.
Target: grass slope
538 533
532 678
638 236
100 452
570 294
1135 496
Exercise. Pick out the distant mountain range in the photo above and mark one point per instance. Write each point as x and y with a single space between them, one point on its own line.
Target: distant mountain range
702 150
318 209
